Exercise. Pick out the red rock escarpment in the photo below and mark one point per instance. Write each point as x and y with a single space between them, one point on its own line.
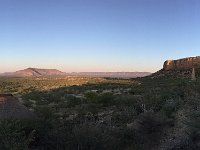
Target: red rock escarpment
182 64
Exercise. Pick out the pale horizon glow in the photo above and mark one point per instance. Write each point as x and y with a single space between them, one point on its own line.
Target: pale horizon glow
97 36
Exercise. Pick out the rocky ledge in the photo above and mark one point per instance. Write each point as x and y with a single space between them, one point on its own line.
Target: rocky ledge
182 64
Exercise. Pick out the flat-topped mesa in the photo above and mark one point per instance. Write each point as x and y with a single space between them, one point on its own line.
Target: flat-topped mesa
182 64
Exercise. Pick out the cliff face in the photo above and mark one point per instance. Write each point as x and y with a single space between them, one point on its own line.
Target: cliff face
182 64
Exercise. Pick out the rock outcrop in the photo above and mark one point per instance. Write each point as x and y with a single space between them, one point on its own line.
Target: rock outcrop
182 64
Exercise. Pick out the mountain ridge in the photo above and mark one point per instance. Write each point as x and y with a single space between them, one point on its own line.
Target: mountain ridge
112 74
34 72
37 72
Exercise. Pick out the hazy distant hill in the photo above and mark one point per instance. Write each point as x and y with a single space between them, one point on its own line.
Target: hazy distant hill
35 72
38 72
112 74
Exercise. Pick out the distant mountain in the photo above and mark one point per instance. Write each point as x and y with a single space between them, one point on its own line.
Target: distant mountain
35 72
38 72
111 74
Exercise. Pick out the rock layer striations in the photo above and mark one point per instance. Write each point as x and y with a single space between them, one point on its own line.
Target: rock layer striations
182 64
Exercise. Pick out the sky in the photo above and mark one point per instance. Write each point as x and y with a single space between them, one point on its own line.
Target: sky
97 35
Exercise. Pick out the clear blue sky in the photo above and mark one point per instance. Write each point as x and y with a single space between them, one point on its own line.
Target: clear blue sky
97 35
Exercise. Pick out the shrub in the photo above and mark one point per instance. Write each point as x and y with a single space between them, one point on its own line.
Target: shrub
73 101
106 99
169 107
88 137
13 135
150 127
91 97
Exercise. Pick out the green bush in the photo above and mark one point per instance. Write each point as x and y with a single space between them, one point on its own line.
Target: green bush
91 97
13 135
106 99
73 101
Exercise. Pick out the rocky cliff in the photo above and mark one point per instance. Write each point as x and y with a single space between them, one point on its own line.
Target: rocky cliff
182 64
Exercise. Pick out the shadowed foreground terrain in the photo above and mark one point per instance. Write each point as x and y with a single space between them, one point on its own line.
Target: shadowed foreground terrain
80 113
10 107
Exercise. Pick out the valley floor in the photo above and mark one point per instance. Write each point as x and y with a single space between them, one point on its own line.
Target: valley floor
104 113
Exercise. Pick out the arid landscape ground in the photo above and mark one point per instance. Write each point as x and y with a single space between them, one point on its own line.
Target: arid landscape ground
157 112
99 75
